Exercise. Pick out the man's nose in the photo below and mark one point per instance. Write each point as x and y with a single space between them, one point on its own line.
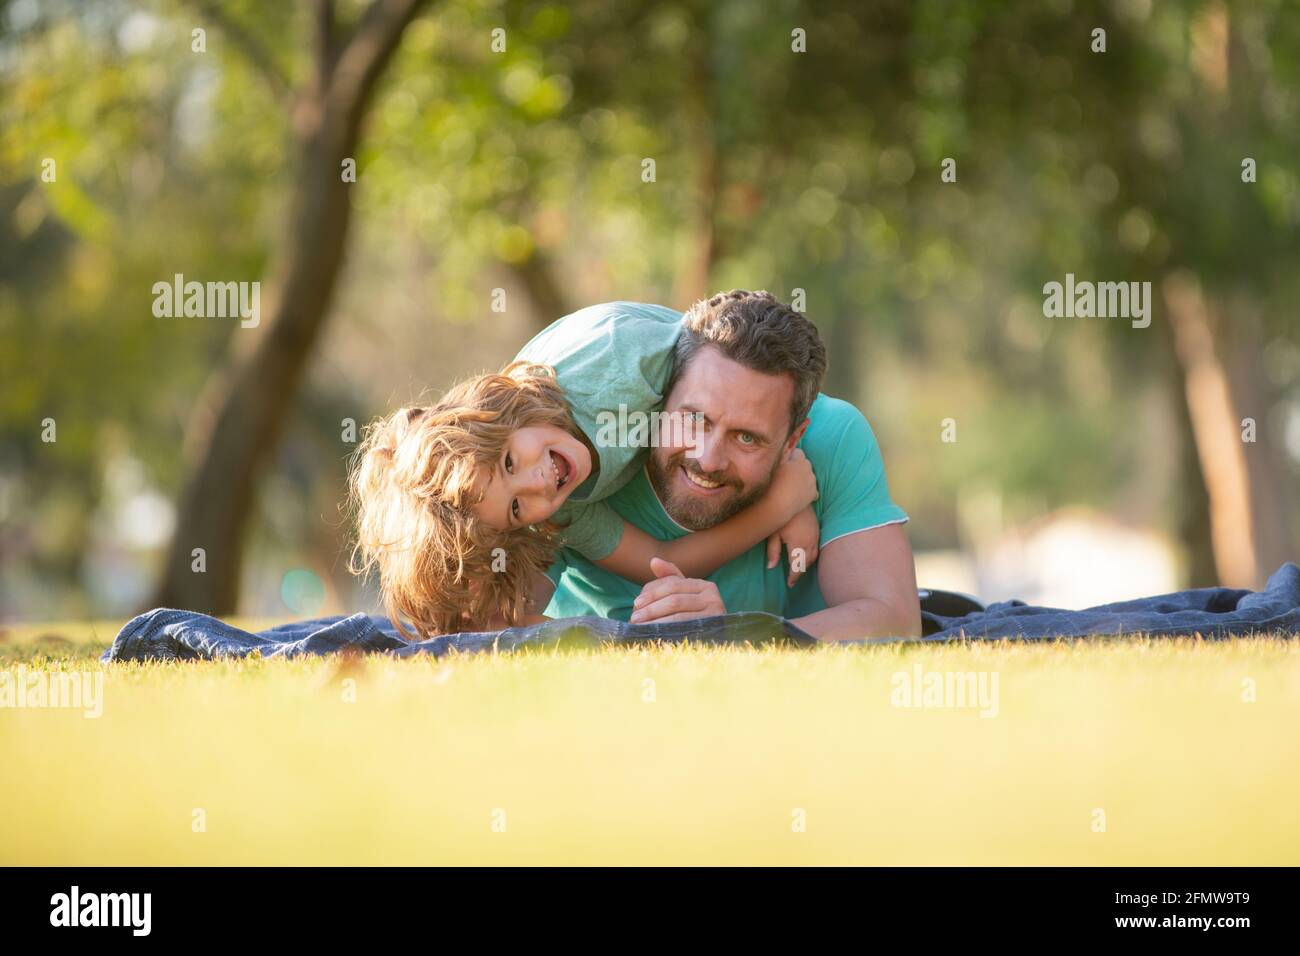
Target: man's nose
710 454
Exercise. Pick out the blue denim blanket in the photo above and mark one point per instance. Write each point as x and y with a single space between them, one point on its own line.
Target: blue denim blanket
165 634
1211 612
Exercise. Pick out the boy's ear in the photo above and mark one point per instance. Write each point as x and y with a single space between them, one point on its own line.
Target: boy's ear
795 436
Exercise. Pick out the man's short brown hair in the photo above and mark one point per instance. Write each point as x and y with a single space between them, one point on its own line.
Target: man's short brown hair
760 333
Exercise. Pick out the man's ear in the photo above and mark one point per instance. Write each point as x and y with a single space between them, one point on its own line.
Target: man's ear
794 438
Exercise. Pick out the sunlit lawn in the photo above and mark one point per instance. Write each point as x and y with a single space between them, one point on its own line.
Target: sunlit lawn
662 756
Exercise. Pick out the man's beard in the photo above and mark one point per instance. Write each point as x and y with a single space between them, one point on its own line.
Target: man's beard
695 513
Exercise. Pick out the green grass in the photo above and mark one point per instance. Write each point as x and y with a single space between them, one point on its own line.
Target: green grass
714 769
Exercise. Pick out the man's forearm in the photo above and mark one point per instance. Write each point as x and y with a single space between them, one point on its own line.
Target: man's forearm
864 617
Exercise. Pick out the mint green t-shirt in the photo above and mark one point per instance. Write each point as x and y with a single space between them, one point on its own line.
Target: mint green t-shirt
854 496
607 356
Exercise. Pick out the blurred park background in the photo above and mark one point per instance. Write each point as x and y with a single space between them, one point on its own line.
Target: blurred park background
796 146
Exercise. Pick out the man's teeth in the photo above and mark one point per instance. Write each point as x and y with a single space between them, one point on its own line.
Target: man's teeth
702 481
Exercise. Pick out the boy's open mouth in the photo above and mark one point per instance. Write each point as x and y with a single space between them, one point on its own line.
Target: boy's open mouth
561 468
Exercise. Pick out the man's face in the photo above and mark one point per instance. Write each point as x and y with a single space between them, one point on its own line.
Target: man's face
741 435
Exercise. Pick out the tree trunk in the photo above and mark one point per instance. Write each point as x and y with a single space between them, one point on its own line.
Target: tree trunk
1249 513
1192 500
546 296
1242 351
240 412
843 378
1218 341
694 272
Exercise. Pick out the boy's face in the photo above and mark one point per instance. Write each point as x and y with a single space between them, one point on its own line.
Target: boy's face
538 470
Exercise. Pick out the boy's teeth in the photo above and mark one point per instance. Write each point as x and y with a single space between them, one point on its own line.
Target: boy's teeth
560 479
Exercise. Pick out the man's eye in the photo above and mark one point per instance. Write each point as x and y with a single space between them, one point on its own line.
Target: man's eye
510 466
514 508
746 438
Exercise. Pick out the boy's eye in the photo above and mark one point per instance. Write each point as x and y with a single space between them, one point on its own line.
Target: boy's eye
514 508
510 465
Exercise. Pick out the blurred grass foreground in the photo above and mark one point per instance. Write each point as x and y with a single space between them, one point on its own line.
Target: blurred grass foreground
1135 752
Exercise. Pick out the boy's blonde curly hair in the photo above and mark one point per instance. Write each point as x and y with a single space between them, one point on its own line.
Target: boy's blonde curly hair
412 488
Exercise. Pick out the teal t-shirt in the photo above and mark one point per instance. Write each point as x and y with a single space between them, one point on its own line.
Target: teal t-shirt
607 356
854 496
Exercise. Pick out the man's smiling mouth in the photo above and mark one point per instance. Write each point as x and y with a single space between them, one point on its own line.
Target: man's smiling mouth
699 481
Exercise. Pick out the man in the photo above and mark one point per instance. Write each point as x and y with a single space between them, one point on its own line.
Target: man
749 368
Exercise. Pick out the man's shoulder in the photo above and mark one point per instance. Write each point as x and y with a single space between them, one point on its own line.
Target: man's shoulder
833 411
831 422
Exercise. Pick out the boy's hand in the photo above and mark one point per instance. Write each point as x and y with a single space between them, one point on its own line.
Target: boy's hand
795 486
800 536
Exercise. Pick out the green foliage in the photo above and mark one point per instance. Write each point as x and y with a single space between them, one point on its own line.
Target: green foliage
817 171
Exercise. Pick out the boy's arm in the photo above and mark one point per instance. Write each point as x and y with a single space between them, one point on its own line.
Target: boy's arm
701 553
698 554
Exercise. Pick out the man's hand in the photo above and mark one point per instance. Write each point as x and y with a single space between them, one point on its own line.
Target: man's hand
674 597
